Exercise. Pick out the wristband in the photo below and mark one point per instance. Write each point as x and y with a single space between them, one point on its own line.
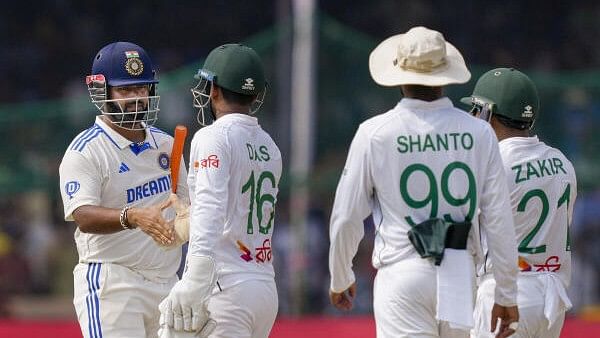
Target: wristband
123 219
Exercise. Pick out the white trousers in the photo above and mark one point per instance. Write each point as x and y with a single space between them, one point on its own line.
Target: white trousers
531 302
246 310
405 296
114 301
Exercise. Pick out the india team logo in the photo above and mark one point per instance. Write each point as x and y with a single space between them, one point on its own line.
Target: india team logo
133 65
71 188
163 161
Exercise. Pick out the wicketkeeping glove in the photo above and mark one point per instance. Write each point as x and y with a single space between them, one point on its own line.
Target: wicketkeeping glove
185 308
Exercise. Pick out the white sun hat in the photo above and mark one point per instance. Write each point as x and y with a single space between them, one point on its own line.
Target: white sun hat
421 56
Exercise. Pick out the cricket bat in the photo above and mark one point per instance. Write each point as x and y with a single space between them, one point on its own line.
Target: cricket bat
176 152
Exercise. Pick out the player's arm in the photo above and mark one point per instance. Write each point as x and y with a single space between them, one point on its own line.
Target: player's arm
94 219
100 220
81 189
496 218
573 193
210 192
351 206
185 308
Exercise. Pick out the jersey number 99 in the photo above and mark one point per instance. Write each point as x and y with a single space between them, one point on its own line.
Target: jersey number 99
432 197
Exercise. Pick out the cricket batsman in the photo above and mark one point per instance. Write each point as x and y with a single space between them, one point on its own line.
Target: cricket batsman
115 182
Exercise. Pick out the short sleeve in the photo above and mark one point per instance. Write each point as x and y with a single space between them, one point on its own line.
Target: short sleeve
80 182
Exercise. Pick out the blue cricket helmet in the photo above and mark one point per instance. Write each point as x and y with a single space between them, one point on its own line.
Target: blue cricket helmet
123 64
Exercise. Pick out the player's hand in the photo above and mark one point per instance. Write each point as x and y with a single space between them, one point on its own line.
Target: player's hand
343 300
151 221
185 308
507 315
181 208
181 223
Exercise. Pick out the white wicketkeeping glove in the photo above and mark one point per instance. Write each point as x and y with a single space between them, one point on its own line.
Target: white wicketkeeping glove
182 223
185 308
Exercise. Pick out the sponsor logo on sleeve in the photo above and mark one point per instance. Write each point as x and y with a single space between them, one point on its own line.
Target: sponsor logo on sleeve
212 161
71 188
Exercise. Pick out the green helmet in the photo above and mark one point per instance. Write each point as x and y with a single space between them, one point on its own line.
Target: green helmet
235 67
509 93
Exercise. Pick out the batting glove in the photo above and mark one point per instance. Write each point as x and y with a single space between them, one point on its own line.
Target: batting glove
181 223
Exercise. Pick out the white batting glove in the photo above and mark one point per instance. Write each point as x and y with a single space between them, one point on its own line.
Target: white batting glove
181 223
185 308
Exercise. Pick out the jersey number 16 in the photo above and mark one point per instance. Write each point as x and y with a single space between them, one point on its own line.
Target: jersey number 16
257 201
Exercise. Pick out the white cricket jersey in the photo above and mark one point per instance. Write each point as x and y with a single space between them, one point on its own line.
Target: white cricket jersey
418 161
234 174
103 168
543 189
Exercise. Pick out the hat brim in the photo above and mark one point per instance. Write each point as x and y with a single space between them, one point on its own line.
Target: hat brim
385 73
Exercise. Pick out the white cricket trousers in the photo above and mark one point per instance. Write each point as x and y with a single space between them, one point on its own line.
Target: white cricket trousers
405 299
245 310
115 301
531 302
